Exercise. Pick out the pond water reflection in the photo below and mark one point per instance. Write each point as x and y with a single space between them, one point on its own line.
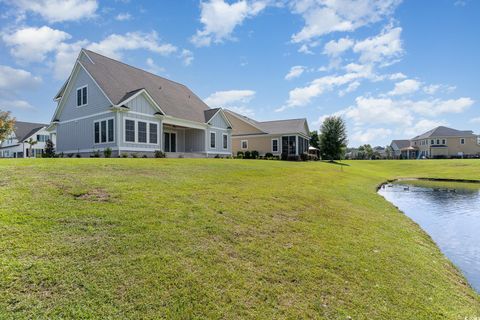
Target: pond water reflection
450 215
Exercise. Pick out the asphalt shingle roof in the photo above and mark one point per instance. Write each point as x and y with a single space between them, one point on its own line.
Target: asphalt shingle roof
444 132
401 143
119 80
23 130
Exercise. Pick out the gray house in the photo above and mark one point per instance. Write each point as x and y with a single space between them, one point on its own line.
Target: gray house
108 104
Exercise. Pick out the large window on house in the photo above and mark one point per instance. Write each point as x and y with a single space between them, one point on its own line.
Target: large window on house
274 145
462 141
212 140
142 132
153 133
129 130
170 141
225 141
82 95
103 131
42 137
289 145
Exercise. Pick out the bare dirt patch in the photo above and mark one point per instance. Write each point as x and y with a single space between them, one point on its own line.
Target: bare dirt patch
95 195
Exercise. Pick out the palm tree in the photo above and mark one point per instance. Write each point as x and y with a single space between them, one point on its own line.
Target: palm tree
31 142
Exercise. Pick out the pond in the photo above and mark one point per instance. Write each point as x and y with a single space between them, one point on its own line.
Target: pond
449 213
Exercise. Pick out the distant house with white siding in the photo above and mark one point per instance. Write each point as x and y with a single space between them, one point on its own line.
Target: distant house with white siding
16 145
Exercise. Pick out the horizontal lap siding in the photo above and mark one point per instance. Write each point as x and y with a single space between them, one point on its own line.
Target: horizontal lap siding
261 144
132 145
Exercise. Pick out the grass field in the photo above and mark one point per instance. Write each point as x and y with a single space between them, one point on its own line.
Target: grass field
220 239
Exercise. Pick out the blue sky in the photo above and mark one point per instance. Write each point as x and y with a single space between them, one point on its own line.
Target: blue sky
390 68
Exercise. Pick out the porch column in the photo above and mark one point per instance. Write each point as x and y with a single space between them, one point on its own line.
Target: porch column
162 143
118 128
296 145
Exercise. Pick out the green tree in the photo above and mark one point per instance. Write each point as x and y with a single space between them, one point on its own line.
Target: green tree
333 138
49 149
6 124
314 139
31 143
366 152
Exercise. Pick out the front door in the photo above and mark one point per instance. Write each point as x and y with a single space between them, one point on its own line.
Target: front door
170 140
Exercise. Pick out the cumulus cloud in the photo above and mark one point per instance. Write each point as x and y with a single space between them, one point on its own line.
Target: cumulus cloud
15 104
187 57
405 87
115 44
372 110
335 48
229 98
383 48
295 72
322 17
58 10
32 44
17 79
423 126
475 120
153 67
439 106
123 17
364 136
219 19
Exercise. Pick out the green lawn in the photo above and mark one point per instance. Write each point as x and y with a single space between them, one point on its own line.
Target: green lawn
220 239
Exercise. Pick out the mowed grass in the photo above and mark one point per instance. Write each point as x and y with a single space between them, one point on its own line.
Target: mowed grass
220 239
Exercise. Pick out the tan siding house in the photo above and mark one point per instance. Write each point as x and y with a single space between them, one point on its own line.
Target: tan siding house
442 142
286 138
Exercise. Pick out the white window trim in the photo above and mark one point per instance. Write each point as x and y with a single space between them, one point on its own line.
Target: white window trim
136 131
176 139
76 96
278 145
100 130
210 140
464 141
223 135
241 144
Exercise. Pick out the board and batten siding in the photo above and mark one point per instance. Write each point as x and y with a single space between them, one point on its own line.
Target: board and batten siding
194 140
219 126
96 100
79 135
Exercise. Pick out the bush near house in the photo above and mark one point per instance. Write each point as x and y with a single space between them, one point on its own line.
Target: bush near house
107 153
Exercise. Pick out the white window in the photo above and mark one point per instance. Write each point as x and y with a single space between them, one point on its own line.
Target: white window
225 141
103 131
140 131
274 145
444 141
462 141
82 94
244 144
42 137
212 140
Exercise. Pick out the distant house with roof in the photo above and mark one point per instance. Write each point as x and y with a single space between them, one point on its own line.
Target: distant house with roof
16 146
397 146
108 104
289 137
440 142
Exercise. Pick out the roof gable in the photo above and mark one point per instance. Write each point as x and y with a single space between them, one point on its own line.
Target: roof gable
23 130
442 131
118 79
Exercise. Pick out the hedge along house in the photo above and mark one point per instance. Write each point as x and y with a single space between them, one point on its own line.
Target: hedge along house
108 104
285 138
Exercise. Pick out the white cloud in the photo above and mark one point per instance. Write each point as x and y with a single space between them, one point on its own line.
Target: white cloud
335 48
360 137
59 10
153 67
65 57
405 87
243 110
115 44
220 18
123 17
370 110
17 79
295 72
475 120
229 98
326 16
397 76
438 106
383 48
32 44
187 57
423 126
7 104
351 88
434 88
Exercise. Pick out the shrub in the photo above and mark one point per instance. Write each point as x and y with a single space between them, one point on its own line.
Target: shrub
217 156
284 156
134 155
268 155
61 155
124 155
293 158
304 157
70 155
144 156
247 155
49 151
107 153
96 154
240 154
159 154
78 155
254 154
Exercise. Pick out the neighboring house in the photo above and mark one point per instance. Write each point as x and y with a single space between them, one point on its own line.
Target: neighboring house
108 104
442 142
397 146
288 137
16 146
380 151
